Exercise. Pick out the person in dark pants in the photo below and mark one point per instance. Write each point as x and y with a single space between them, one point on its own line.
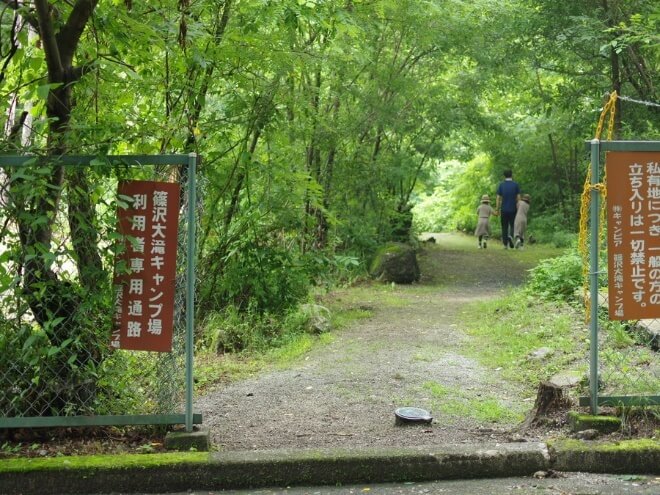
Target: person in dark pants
508 195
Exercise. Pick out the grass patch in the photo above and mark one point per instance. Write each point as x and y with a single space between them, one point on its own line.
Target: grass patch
507 331
493 411
531 255
365 297
455 402
342 318
463 242
425 356
289 353
212 368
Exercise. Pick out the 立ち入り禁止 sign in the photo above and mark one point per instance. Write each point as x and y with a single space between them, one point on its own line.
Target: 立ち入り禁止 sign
633 234
144 282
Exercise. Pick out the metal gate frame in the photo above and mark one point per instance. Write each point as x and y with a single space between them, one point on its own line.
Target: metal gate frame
596 146
188 418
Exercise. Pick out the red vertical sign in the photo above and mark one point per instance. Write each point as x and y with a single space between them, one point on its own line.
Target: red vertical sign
633 234
144 282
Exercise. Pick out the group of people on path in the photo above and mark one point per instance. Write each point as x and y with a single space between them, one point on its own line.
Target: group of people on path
512 208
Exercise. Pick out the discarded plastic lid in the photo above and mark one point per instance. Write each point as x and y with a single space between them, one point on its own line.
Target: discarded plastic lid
412 415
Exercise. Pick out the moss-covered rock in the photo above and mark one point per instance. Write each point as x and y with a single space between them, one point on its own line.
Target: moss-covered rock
603 424
395 262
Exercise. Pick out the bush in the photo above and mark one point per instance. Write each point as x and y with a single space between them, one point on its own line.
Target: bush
563 239
330 270
51 380
557 278
466 219
551 229
234 331
263 279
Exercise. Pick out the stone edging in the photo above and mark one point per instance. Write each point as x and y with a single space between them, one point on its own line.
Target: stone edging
227 470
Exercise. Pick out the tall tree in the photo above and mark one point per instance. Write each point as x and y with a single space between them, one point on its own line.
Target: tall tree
60 28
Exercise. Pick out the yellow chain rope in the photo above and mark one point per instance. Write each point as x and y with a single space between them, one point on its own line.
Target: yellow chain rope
585 204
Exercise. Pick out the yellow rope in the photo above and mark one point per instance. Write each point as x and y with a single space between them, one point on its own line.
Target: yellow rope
585 204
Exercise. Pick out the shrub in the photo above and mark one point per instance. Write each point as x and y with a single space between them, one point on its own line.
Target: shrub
263 279
552 229
562 239
557 278
330 270
52 380
235 331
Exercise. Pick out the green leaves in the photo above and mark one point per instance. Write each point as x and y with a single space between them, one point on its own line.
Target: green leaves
44 90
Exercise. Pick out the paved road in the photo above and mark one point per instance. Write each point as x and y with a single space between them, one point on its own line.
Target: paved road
564 484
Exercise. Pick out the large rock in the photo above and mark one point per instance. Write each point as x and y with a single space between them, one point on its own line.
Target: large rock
395 262
317 318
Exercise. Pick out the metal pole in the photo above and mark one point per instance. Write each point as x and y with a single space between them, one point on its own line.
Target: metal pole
190 289
593 264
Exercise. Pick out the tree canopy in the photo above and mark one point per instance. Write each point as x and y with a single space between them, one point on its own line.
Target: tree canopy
320 124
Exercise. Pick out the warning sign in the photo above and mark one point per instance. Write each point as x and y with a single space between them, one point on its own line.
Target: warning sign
633 234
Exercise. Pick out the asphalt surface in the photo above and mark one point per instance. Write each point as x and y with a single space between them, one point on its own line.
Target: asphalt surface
557 484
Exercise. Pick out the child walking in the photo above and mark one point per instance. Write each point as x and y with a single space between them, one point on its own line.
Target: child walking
484 211
520 222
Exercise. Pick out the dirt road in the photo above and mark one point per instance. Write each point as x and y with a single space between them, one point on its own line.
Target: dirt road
343 394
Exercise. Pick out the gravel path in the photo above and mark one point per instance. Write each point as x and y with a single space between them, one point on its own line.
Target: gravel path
344 394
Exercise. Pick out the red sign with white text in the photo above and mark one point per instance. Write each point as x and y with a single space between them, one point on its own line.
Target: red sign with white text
145 275
633 230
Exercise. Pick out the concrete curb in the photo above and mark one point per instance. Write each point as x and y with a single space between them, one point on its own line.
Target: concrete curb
229 470
629 457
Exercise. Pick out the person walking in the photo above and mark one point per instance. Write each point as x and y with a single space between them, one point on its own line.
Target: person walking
508 195
520 222
484 211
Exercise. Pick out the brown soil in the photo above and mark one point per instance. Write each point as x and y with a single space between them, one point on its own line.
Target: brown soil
54 442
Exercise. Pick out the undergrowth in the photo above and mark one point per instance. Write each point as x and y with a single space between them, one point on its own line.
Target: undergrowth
457 402
236 346
511 329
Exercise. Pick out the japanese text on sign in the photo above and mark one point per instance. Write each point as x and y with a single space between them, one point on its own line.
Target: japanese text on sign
144 282
633 214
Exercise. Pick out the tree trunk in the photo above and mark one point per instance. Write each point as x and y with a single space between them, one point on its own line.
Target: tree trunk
550 398
615 69
51 298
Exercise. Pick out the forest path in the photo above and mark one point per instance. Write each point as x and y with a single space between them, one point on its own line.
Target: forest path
407 353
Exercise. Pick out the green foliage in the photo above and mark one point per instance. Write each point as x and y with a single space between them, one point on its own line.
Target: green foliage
64 379
453 204
619 334
557 278
230 331
335 270
235 331
260 278
551 229
55 295
236 344
509 330
318 124
432 214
